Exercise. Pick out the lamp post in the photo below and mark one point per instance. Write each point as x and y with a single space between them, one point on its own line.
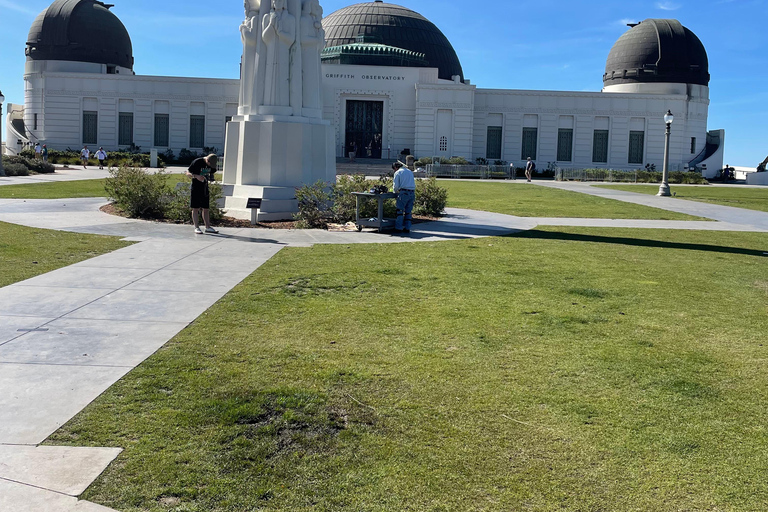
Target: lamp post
2 99
664 187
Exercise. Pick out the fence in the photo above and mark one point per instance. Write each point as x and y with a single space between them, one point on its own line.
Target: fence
484 172
609 175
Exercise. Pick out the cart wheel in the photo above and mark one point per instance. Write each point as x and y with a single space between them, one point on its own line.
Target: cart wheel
359 228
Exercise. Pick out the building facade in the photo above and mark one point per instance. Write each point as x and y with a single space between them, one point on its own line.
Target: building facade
392 83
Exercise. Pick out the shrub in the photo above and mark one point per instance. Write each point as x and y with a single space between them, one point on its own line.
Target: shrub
138 193
314 205
15 169
430 198
455 160
423 162
186 156
481 161
690 177
344 203
32 165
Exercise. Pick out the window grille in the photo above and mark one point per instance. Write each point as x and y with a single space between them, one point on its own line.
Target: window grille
565 144
636 143
493 143
443 143
125 129
162 129
600 147
90 127
530 136
196 131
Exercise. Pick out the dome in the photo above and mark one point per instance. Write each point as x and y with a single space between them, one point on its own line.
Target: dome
392 26
656 51
80 31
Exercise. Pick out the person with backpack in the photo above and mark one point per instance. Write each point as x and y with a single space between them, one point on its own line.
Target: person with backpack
530 168
202 171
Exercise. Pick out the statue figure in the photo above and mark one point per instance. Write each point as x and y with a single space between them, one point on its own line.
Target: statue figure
312 42
279 34
250 37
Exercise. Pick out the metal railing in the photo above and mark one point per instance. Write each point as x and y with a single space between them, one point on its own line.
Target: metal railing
484 172
609 175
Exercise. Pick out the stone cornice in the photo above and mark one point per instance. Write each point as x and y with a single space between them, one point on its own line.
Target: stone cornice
135 95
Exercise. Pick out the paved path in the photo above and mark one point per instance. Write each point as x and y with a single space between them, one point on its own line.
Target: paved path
68 335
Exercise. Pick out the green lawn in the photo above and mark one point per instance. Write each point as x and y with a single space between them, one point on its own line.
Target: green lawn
64 189
28 252
528 200
558 370
740 197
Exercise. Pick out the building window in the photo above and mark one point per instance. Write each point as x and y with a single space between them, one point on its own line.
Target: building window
693 145
125 129
162 129
493 143
530 136
600 147
565 144
34 126
443 143
90 127
196 131
636 143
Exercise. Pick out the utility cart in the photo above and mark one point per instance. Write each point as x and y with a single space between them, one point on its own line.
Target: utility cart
378 222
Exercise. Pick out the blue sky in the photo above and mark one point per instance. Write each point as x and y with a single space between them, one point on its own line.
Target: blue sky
546 44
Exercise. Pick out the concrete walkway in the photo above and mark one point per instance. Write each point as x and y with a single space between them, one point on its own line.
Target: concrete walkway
67 336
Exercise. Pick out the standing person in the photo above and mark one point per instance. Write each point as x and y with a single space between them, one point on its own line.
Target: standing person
405 188
202 171
85 154
102 156
530 168
44 152
38 151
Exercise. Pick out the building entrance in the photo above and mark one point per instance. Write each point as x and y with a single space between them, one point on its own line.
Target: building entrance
364 128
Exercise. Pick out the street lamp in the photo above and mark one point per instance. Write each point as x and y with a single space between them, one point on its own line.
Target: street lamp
664 187
2 99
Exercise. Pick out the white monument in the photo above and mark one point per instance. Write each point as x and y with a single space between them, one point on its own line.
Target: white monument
278 141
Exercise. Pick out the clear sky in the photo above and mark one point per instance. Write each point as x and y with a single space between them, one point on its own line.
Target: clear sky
543 44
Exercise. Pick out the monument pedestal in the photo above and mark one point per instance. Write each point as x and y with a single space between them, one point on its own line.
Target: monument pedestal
268 157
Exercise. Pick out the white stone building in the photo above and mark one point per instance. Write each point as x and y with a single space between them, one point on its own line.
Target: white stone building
391 82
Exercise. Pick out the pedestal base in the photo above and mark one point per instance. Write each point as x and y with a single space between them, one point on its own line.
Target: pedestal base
269 159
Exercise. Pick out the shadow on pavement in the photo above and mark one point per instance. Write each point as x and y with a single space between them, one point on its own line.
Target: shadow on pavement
637 242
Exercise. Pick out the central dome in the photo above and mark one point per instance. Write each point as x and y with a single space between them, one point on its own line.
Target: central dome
80 31
396 27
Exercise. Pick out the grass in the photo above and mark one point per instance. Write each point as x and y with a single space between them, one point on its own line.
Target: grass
561 369
28 252
740 197
526 200
64 189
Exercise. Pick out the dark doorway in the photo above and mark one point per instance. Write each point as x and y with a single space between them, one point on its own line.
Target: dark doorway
364 128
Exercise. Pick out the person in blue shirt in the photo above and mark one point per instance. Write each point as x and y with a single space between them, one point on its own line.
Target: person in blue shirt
405 188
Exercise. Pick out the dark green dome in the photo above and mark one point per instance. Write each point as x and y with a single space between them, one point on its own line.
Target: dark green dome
657 50
80 31
391 26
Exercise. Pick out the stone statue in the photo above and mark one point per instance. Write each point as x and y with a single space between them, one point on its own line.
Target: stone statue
279 34
312 42
250 37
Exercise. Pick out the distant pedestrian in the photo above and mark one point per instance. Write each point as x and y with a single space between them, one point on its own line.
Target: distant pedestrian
85 154
102 157
405 188
38 151
44 152
530 168
202 171
352 151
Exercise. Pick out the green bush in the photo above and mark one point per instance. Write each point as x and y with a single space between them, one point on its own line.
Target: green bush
315 203
344 203
137 193
690 177
12 169
34 166
430 198
176 203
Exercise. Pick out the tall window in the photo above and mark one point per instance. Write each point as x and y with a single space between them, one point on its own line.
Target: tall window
493 144
565 144
693 145
196 131
35 123
443 143
162 129
125 129
90 127
600 147
636 143
530 136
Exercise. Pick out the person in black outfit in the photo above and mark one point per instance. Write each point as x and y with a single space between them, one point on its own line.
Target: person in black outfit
202 171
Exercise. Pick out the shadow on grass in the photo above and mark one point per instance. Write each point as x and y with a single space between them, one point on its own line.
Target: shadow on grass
637 242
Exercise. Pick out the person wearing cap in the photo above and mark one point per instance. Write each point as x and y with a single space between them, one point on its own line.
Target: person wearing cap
101 155
405 188
202 170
